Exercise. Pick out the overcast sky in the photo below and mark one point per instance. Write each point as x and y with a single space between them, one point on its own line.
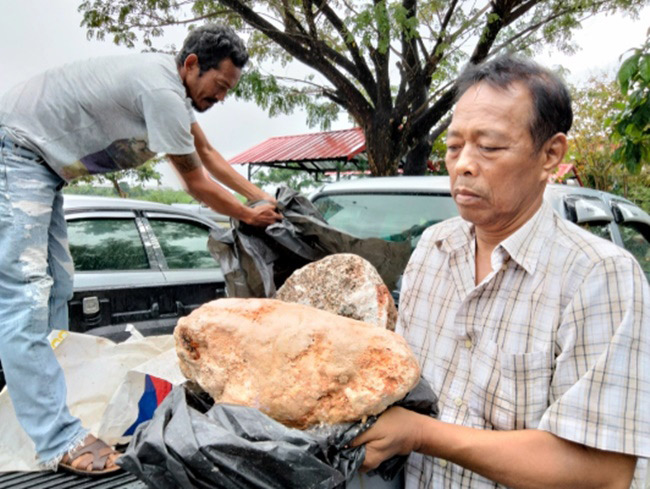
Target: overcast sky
40 34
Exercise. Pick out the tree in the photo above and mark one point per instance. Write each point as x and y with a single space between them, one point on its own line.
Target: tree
140 174
632 125
295 179
591 149
389 64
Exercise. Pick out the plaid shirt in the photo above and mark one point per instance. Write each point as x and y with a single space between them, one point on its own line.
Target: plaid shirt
556 338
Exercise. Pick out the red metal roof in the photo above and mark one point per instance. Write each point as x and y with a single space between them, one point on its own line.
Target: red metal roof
332 146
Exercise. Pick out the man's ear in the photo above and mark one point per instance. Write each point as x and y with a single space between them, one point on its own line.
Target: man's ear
553 153
191 61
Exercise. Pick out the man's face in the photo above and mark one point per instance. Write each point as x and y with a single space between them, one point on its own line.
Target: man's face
497 178
212 86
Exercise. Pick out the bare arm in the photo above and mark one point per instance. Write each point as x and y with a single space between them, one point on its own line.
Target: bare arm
220 169
212 194
523 459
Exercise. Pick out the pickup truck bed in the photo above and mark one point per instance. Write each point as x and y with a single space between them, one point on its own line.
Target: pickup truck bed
61 480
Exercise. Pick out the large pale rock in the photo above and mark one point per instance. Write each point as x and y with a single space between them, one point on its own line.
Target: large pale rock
299 365
344 284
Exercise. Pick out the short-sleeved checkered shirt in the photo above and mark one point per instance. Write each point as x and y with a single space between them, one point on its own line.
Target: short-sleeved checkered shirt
556 337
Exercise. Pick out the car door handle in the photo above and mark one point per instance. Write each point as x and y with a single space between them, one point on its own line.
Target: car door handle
90 306
181 310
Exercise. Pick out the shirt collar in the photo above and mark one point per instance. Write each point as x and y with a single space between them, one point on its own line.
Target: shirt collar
523 246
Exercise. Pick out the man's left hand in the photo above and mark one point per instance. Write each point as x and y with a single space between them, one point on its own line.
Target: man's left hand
262 215
396 432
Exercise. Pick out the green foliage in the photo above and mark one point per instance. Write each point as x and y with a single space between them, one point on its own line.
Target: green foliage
298 180
303 181
639 192
631 126
162 195
590 147
141 174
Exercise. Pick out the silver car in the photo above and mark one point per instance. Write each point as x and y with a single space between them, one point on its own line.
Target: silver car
139 263
401 208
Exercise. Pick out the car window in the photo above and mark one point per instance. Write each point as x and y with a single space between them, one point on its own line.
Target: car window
636 239
600 229
393 217
106 244
184 243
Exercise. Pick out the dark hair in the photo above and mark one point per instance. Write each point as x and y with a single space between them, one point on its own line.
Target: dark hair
551 100
212 43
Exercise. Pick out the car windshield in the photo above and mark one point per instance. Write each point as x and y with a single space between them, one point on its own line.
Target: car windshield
390 216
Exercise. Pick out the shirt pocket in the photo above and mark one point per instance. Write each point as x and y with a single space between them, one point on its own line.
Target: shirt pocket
509 390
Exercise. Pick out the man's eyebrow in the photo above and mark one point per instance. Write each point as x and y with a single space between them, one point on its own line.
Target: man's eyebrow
479 132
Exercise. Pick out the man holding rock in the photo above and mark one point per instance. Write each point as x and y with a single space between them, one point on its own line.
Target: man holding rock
533 332
92 117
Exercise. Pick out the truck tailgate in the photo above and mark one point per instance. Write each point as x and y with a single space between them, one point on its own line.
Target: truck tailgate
47 480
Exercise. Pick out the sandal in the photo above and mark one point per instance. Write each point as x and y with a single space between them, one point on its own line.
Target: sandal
96 466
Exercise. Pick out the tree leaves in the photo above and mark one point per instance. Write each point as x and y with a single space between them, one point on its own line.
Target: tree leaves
631 126
627 71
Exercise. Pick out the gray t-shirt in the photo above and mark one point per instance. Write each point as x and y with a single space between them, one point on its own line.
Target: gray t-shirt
101 115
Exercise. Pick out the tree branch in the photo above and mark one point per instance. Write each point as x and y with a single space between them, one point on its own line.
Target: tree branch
421 126
358 105
380 60
442 127
432 63
535 27
405 97
363 75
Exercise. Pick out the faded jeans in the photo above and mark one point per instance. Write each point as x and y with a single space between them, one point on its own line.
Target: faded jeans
35 284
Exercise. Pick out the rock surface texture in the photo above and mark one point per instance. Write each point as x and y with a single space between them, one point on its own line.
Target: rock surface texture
344 284
299 365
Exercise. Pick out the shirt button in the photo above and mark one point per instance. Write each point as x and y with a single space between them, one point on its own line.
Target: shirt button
458 402
504 267
468 343
443 463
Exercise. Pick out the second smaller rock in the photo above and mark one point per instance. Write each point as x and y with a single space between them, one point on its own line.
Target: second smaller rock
343 284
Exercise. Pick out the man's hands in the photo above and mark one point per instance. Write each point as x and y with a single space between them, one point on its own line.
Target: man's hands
262 215
523 459
198 184
396 432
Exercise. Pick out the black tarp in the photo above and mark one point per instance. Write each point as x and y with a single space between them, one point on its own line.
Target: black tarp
193 443
257 261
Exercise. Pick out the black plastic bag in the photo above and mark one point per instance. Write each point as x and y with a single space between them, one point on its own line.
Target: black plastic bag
257 261
193 443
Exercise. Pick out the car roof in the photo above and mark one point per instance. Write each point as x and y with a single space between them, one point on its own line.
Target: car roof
79 203
387 184
440 184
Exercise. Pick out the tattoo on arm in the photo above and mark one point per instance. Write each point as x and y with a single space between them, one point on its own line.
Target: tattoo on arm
185 163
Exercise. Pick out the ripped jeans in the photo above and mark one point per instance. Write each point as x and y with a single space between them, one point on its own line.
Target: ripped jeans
35 284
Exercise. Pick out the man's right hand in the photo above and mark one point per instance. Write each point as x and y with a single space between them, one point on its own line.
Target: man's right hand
262 215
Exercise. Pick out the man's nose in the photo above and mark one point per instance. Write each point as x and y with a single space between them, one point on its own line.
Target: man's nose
466 161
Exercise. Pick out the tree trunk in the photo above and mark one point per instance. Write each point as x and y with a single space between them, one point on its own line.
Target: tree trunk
118 189
382 150
416 160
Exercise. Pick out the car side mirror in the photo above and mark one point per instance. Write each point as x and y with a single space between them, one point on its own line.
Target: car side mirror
624 212
583 210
